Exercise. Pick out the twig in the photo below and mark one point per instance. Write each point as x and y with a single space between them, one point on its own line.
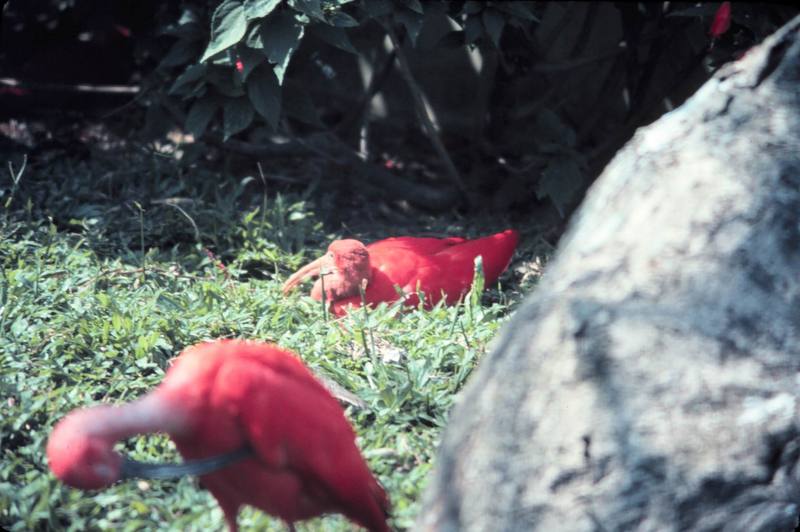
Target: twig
425 196
422 195
557 30
589 20
375 84
464 334
341 393
419 104
324 299
15 178
613 83
79 87
362 290
534 162
141 240
186 214
263 196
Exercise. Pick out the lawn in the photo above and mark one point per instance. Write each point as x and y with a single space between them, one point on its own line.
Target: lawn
111 266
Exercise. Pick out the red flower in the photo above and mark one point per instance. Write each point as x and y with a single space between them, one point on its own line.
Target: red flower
722 20
217 262
14 91
123 30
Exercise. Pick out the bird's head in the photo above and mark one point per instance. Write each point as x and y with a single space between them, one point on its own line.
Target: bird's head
344 267
78 456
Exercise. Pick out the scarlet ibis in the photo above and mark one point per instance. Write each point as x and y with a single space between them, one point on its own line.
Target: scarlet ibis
438 267
253 404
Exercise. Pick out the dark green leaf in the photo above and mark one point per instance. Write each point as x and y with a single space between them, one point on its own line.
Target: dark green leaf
226 81
253 39
190 75
411 21
342 20
265 94
310 8
473 29
228 26
378 8
188 26
250 59
521 10
334 36
200 114
237 114
156 122
254 9
189 32
224 58
560 182
188 16
548 128
493 22
297 103
182 52
414 5
280 36
192 153
451 39
198 89
472 7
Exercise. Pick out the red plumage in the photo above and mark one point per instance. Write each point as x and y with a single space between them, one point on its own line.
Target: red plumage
441 268
222 396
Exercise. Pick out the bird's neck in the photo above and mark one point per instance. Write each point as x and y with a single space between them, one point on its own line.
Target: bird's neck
342 284
152 413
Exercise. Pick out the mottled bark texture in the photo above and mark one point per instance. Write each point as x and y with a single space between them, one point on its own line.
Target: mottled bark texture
652 381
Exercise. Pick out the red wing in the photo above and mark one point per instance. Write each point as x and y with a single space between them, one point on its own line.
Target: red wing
496 251
450 271
396 265
293 424
421 246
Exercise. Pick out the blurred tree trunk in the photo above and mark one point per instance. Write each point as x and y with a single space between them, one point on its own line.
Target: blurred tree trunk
652 382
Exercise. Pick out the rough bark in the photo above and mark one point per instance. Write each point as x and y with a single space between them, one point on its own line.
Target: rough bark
652 381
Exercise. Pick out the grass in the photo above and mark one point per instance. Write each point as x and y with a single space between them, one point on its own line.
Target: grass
109 271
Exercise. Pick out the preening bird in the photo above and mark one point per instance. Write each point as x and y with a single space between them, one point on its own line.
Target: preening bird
438 267
251 419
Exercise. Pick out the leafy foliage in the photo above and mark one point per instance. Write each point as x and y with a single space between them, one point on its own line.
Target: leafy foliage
492 74
97 294
261 36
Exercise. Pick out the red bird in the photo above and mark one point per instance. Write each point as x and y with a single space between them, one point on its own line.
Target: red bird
297 456
442 268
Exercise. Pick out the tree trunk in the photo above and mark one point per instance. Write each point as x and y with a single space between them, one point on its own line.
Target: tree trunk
652 381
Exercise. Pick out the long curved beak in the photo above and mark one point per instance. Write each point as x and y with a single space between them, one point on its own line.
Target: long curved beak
312 269
202 466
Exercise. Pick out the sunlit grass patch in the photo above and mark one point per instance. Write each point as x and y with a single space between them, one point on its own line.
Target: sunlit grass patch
101 288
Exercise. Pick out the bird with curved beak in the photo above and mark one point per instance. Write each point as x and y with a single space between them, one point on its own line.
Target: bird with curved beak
341 271
440 268
250 419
